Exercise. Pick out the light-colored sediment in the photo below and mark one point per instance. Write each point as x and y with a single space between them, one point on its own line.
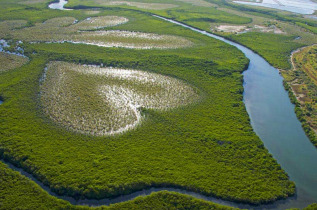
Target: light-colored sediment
245 29
230 28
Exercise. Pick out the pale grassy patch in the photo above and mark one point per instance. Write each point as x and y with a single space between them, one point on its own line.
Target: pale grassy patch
92 12
130 39
33 1
106 101
11 61
7 26
150 6
201 3
51 30
98 22
268 29
61 29
57 22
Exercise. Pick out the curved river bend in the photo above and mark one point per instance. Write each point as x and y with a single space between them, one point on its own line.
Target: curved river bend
273 119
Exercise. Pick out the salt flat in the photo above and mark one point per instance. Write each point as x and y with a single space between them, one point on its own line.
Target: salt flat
296 6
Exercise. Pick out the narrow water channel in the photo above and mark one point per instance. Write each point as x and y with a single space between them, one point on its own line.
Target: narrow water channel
273 119
59 4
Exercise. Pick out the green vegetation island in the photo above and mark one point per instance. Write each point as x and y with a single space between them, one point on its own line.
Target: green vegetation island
149 104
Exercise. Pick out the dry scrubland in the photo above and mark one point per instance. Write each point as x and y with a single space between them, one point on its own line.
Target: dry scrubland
11 61
303 82
88 32
245 29
105 101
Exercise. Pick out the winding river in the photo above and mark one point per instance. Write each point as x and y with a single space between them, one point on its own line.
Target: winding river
273 119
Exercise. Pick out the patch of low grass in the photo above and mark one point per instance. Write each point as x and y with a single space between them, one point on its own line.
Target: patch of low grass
11 61
7 26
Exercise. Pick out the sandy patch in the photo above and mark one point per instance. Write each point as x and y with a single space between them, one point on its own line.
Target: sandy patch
245 29
230 28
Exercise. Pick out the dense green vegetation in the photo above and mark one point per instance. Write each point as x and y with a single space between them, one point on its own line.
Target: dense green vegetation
169 149
168 200
208 147
13 10
307 26
200 16
203 17
18 192
311 207
275 48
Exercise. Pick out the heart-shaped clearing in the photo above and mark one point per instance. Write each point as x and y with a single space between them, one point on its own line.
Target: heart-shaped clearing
106 101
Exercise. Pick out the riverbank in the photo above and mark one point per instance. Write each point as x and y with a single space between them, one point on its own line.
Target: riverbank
302 91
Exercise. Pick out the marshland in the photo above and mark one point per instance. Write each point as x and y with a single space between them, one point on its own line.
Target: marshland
88 31
106 101
11 61
129 101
